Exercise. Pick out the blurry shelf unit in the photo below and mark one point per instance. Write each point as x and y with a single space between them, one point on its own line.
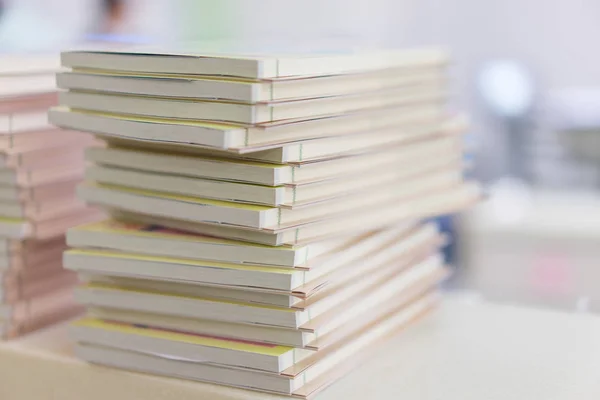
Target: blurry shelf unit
538 249
467 350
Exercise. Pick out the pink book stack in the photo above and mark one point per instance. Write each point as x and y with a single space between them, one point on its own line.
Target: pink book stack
39 170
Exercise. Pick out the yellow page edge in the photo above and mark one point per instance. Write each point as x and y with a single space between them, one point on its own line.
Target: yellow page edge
224 343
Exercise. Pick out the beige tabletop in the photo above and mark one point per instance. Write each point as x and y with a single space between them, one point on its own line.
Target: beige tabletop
465 351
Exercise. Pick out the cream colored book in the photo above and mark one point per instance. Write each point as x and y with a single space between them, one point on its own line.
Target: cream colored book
241 138
288 196
394 257
214 350
403 290
340 171
428 205
316 149
260 113
202 210
304 379
241 275
228 59
190 306
336 269
243 90
227 349
159 241
291 195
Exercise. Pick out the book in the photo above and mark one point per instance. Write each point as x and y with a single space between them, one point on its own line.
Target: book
160 241
240 312
347 167
337 273
311 336
184 276
435 203
195 58
214 350
252 114
290 196
259 217
144 153
243 90
239 138
40 167
309 381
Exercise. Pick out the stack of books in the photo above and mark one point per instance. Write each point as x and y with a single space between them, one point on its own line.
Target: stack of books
40 167
267 213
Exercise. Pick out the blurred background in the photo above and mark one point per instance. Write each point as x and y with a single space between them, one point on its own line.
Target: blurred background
526 71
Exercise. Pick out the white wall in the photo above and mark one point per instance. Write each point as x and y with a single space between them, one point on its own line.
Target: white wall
558 39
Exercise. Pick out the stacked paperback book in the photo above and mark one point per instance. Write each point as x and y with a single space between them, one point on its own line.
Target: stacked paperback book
267 213
40 167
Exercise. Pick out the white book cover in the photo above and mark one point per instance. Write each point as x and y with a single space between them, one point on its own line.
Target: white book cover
243 60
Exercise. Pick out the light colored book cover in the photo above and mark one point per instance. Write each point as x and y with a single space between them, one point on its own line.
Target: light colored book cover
289 185
296 152
252 114
228 59
428 205
189 305
239 137
305 379
243 90
203 210
161 241
172 343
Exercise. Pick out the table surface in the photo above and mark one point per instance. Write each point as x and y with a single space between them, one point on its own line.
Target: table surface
466 350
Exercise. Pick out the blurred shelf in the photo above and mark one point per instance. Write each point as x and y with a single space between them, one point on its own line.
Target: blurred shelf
465 351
